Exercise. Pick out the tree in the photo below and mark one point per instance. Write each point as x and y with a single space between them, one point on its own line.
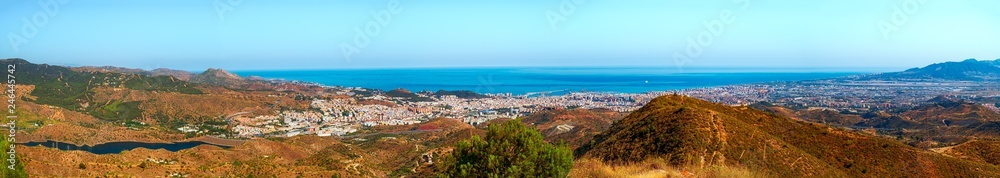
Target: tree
511 149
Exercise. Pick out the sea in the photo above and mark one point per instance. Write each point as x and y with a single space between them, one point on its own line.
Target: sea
550 80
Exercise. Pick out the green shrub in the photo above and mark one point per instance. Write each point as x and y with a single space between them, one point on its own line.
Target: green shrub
510 149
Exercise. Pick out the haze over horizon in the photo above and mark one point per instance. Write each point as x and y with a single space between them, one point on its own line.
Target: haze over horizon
254 35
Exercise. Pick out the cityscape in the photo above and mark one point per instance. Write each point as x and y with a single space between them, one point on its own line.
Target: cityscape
851 94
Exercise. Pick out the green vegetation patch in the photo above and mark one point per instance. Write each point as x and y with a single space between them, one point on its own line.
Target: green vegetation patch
510 149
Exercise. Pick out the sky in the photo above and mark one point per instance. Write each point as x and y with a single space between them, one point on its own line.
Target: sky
332 34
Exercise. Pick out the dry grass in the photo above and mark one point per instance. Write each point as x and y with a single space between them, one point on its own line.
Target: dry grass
654 168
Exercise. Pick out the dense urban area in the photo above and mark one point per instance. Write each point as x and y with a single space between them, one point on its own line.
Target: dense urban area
855 94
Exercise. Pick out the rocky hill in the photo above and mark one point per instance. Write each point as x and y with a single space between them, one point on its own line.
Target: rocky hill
685 132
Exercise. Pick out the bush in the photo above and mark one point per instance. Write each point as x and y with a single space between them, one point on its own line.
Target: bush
511 149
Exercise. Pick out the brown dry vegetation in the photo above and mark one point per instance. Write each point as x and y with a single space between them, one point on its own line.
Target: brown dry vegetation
585 124
214 103
940 123
987 151
687 132
656 168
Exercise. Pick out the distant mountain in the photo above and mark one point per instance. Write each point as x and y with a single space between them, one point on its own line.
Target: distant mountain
72 89
212 76
219 77
683 131
967 70
179 74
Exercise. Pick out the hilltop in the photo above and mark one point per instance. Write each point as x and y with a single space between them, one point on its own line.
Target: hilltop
687 132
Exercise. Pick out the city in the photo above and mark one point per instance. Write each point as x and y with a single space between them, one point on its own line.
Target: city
338 117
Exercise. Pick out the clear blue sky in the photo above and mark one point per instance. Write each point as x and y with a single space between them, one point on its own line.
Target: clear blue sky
310 34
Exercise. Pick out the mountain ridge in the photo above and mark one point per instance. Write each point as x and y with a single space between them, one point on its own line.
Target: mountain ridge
966 70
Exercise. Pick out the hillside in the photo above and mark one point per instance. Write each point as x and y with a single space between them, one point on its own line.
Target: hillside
75 104
688 132
952 112
575 127
60 86
941 121
978 150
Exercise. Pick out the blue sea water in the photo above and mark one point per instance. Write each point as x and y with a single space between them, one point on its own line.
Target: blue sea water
526 80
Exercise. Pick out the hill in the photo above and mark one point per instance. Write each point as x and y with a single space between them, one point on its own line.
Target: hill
952 112
77 103
465 94
219 77
63 87
575 127
979 150
967 70
941 121
407 95
688 132
179 74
